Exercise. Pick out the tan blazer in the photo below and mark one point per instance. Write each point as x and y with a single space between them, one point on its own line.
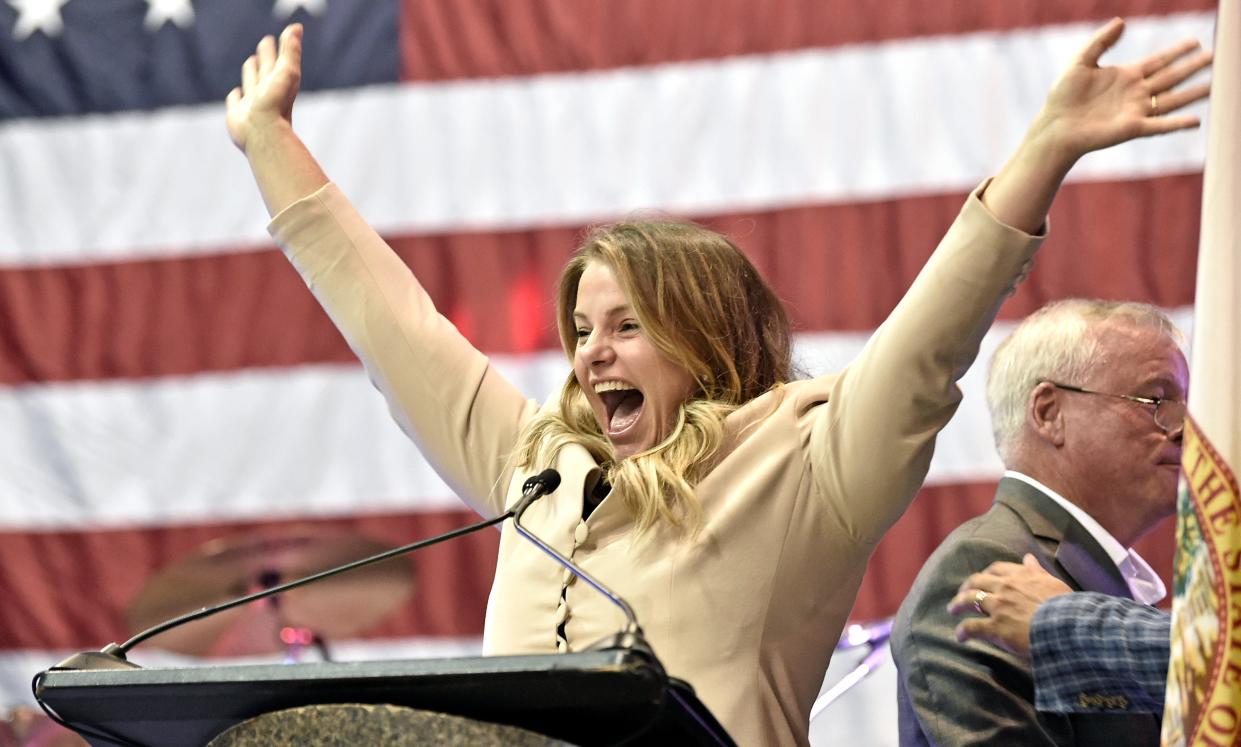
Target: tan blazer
749 609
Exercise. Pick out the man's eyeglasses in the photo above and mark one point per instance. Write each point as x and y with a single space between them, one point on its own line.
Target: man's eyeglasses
1169 413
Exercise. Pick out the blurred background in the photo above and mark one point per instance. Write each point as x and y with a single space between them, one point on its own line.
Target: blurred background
179 422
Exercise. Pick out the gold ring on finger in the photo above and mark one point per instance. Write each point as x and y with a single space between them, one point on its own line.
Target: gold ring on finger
979 596
1154 105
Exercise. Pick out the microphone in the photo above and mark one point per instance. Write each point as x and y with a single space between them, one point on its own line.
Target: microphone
535 487
631 635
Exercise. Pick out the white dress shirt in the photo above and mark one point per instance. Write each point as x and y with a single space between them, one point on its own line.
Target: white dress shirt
1144 584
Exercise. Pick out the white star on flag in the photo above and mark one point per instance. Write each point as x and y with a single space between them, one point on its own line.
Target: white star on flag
286 8
159 12
37 15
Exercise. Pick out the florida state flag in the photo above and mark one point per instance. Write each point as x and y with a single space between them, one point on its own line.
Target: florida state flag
1204 677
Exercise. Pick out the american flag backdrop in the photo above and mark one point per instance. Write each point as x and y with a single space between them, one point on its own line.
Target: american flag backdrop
166 379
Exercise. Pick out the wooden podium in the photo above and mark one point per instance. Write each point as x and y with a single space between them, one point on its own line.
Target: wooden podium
589 698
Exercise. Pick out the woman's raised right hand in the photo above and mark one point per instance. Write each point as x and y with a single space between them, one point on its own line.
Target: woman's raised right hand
269 83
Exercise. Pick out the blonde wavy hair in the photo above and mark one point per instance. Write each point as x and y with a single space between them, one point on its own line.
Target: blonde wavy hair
703 305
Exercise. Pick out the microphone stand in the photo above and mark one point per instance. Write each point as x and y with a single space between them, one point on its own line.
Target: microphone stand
631 636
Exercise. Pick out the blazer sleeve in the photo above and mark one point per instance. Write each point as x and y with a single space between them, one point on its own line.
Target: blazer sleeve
464 416
1093 652
871 444
970 693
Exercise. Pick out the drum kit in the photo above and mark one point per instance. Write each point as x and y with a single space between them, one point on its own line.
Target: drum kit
293 621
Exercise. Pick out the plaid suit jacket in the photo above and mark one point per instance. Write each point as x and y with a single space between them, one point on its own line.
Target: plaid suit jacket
1095 653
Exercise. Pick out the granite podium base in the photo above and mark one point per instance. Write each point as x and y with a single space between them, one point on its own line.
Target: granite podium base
348 724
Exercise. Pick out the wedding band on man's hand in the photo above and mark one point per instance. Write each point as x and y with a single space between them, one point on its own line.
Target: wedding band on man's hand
978 597
1154 105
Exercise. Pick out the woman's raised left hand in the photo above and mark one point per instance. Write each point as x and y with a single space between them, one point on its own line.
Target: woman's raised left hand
1092 107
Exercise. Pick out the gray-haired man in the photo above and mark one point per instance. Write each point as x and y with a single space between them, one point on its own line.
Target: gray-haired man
1087 403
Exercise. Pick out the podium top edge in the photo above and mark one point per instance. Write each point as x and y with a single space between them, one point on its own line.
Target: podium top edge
614 660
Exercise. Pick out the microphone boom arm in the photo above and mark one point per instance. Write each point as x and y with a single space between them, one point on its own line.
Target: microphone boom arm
632 628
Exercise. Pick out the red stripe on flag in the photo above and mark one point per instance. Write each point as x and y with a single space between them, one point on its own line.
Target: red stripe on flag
837 267
501 38
78 584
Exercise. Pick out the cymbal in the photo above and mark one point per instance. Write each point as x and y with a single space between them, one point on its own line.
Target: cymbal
232 567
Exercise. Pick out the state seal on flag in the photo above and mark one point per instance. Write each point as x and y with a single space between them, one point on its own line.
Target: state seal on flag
1204 674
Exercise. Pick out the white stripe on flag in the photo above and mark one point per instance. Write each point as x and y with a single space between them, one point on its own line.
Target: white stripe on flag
304 441
697 138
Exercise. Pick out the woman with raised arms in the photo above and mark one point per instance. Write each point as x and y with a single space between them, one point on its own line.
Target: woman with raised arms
733 508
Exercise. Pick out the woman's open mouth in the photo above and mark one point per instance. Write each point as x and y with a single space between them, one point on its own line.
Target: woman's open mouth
623 404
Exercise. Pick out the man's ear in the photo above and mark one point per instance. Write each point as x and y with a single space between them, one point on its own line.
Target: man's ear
1044 415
